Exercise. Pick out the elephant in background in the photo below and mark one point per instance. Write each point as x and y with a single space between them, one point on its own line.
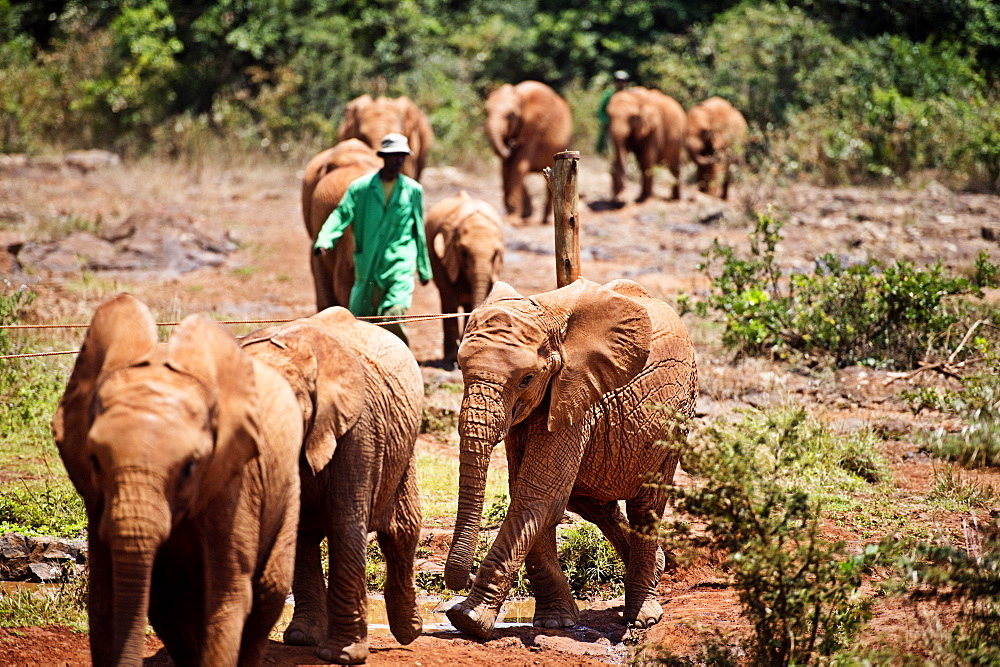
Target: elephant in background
360 394
465 236
570 380
324 183
185 454
716 131
651 125
370 119
526 125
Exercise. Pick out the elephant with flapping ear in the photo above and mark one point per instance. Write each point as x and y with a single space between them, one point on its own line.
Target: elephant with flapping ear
186 455
574 381
360 395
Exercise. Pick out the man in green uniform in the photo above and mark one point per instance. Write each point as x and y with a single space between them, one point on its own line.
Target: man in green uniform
621 81
387 210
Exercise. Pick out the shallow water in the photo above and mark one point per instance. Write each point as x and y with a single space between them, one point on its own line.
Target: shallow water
432 609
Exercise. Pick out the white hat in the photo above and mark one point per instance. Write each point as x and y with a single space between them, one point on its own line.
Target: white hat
394 143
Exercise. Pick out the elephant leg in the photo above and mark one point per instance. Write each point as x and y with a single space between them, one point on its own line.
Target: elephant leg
449 304
511 186
99 599
323 283
646 164
308 626
271 590
547 215
526 208
646 558
346 641
554 603
176 610
674 164
398 541
539 491
608 518
725 181
618 172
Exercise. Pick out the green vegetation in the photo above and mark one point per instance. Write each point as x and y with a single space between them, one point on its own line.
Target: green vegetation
40 498
868 314
836 90
760 495
65 604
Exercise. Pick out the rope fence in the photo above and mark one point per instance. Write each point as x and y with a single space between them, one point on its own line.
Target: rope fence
380 320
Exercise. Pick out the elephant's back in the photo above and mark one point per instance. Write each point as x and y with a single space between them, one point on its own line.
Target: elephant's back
330 190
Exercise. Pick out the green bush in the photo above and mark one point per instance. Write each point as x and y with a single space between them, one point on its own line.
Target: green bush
590 563
886 316
801 593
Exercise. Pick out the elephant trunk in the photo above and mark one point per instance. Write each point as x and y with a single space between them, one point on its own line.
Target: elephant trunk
495 132
480 428
137 522
481 279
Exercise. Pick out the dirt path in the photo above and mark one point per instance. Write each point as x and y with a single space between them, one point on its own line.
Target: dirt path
255 209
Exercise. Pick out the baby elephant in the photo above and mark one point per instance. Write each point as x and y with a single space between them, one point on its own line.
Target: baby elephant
466 239
186 455
359 392
716 131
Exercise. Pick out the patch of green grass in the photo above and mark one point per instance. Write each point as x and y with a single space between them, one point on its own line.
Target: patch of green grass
246 272
437 477
955 491
93 288
590 563
58 227
65 604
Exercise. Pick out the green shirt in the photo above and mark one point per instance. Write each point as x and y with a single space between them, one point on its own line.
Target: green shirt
389 242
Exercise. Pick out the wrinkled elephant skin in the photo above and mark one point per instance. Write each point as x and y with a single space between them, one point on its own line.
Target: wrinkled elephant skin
526 126
570 380
186 455
360 394
465 237
651 125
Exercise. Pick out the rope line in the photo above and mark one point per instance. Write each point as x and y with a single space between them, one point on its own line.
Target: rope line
383 320
395 319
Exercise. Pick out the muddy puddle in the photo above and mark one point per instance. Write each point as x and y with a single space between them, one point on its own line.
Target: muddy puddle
432 609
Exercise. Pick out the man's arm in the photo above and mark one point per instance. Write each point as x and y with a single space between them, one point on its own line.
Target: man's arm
336 224
423 260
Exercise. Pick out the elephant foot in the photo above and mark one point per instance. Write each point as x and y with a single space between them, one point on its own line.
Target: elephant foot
406 629
352 654
645 617
475 621
300 634
556 616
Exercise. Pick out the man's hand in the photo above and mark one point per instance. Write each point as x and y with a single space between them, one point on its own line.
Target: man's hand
320 251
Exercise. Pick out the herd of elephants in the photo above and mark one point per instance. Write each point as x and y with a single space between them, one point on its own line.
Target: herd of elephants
212 467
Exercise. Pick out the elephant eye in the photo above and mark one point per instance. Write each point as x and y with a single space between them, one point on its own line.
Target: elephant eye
95 464
187 470
526 380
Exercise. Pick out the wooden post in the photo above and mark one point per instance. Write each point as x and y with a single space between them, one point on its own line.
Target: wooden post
562 180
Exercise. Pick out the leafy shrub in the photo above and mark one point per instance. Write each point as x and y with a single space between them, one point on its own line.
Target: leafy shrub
800 592
42 509
871 314
590 562
66 605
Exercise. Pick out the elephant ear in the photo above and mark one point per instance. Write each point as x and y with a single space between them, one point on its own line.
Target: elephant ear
352 117
446 250
605 345
121 334
204 350
337 376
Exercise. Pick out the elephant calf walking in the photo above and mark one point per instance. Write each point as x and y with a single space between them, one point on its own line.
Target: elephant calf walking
360 394
570 380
